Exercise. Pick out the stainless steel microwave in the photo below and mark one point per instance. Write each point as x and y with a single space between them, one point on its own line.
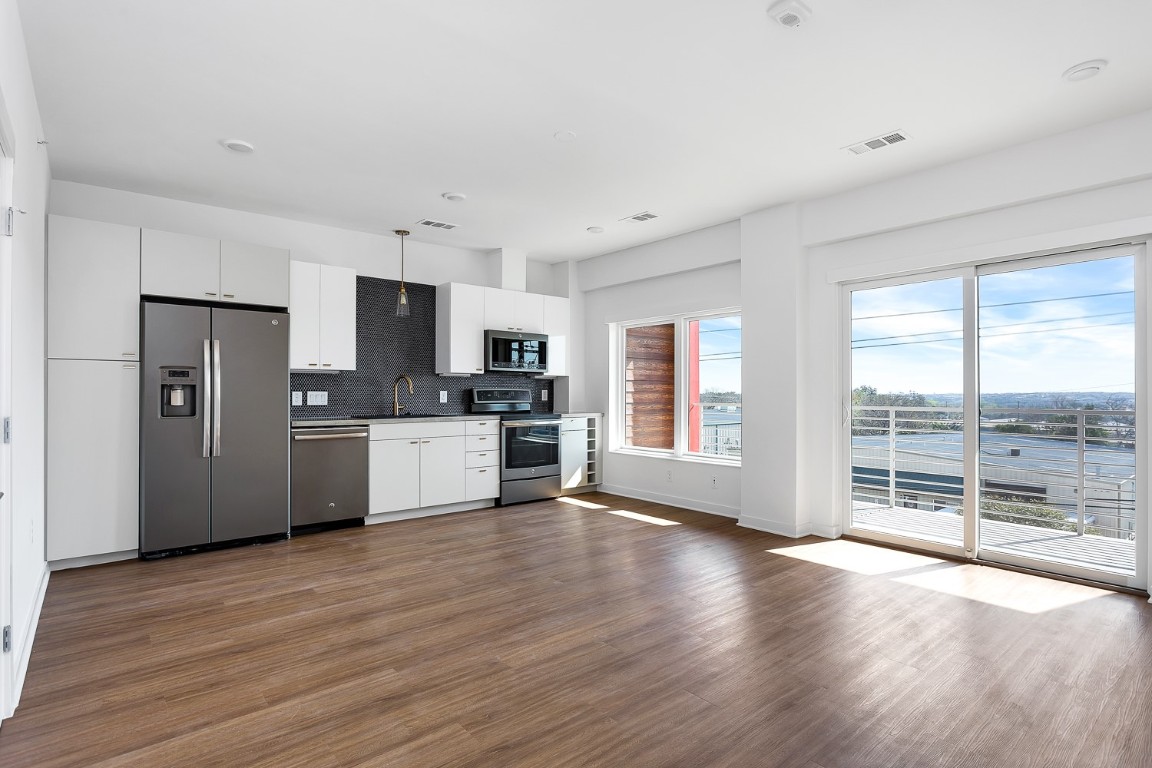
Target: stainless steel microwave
515 351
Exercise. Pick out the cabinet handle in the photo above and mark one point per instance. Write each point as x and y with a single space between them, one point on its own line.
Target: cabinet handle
229 295
127 354
206 293
425 441
482 455
483 470
413 442
129 367
482 423
312 365
479 370
327 365
481 438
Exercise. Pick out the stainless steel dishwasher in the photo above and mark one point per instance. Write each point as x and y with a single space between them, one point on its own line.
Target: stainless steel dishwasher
329 474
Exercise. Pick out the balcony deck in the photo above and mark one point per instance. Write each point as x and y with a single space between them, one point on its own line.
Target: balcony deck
1088 551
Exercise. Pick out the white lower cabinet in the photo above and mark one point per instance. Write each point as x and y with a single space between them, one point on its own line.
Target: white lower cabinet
441 470
430 464
482 461
394 475
93 460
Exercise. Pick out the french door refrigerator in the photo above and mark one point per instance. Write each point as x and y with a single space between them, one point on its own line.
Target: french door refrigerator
214 425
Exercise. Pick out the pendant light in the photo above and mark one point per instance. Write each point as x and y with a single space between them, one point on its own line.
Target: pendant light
402 296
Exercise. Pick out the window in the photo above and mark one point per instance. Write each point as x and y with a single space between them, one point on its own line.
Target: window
679 386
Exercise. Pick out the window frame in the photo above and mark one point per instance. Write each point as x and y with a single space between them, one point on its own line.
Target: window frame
679 450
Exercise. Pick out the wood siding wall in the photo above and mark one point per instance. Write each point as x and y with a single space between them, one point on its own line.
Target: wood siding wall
650 386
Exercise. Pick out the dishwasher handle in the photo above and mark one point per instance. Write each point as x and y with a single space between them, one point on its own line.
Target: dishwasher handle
338 436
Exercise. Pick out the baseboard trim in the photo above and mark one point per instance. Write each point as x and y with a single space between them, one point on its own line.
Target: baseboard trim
773 526
24 653
81 562
412 514
695 505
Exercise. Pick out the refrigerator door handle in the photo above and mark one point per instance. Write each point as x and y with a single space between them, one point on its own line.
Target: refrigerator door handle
216 368
207 447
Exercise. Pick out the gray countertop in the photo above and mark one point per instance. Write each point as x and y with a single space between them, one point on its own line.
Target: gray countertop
390 420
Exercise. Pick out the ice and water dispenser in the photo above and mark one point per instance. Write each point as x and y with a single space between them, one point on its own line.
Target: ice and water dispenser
177 392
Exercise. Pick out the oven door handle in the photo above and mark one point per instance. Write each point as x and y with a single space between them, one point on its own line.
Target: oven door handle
542 423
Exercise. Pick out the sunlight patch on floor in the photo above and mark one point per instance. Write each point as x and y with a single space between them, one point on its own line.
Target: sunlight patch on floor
858 558
1017 591
580 503
642 518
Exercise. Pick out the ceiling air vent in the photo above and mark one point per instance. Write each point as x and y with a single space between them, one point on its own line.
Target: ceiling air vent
437 224
642 216
877 143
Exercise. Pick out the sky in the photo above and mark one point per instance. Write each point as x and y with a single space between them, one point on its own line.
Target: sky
1065 328
720 354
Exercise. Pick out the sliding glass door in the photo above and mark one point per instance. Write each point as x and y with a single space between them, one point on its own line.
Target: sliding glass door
907 410
992 413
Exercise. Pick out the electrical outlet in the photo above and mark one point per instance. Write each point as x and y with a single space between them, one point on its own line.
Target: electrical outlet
297 398
544 395
713 481
669 475
443 396
317 398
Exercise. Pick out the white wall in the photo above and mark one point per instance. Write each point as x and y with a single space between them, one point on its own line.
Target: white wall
686 290
30 193
1084 187
369 254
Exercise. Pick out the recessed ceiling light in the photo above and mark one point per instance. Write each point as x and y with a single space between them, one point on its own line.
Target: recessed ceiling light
238 145
789 13
455 197
564 136
1085 70
595 230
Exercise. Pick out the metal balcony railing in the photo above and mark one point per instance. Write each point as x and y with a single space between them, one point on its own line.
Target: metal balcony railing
1065 469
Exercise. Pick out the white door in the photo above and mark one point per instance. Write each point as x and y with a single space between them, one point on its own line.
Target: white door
7 660
338 318
393 475
304 311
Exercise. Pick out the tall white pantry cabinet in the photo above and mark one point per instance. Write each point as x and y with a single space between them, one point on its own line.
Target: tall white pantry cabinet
93 395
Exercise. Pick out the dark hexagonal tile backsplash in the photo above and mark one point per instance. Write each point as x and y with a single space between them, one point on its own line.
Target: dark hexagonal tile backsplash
388 346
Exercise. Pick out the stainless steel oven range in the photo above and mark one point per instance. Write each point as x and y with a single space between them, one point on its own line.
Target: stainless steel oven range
529 444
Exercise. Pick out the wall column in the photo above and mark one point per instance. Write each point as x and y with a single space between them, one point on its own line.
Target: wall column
772 284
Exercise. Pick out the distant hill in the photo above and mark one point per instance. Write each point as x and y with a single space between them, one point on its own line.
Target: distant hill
1103 400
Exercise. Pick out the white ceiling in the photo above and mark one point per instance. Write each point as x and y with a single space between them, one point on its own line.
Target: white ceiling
364 111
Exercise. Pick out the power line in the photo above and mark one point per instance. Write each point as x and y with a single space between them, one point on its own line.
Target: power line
992 306
1004 325
988 336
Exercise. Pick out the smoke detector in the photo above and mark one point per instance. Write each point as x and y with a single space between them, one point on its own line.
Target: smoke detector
790 13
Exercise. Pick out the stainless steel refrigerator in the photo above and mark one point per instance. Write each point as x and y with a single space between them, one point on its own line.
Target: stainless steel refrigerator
214 425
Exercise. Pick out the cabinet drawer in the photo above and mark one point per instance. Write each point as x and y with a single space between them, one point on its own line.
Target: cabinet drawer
474 459
482 483
483 442
405 430
488 427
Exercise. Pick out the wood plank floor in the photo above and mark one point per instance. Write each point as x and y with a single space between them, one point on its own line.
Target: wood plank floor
551 634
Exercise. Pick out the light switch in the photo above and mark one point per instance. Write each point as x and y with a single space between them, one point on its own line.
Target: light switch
443 396
317 398
544 395
297 398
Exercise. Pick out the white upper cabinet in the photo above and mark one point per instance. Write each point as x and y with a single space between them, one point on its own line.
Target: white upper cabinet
183 266
459 328
93 290
253 274
558 328
506 310
322 305
192 267
338 318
